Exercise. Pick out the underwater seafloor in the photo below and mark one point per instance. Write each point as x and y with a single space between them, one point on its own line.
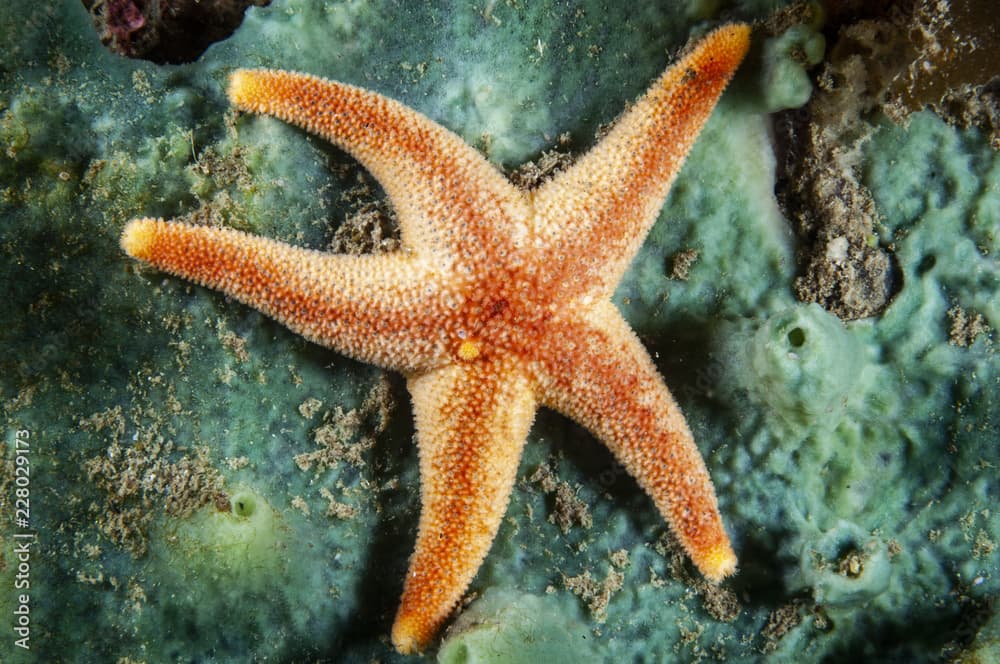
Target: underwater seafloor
205 486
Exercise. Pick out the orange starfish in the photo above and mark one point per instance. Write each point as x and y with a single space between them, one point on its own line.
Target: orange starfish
499 302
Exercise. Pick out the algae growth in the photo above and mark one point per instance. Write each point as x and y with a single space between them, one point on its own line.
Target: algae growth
207 486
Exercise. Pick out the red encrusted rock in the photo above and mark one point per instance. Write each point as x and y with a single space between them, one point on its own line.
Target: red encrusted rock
166 31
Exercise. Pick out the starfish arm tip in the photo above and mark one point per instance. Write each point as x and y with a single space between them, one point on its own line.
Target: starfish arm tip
138 236
724 49
718 563
737 35
740 32
243 88
405 639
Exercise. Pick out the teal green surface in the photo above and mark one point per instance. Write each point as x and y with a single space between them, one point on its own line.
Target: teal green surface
786 82
855 464
505 627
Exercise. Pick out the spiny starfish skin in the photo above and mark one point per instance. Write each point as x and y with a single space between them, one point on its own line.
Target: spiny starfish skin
498 303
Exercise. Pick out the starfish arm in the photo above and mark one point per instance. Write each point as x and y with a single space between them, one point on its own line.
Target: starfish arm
380 309
603 378
472 421
598 211
447 196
